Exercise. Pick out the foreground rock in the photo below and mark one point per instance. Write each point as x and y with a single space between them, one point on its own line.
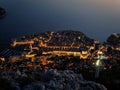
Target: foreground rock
60 80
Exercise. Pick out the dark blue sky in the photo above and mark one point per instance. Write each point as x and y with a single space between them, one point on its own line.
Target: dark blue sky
96 18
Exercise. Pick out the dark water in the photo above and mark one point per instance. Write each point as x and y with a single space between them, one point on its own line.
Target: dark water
96 18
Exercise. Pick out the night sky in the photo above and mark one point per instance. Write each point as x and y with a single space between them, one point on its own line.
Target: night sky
96 18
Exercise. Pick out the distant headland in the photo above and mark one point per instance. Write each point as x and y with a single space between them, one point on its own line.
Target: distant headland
2 12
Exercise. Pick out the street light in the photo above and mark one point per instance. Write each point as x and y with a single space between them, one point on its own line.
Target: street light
98 64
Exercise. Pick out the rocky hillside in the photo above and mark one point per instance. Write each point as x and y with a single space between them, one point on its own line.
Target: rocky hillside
114 39
51 80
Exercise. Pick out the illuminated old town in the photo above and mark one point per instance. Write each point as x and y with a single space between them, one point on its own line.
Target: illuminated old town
61 50
59 44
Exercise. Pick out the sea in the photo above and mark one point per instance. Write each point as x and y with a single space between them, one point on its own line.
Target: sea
95 18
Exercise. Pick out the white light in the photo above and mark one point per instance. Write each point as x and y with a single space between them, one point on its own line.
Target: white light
100 53
98 63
